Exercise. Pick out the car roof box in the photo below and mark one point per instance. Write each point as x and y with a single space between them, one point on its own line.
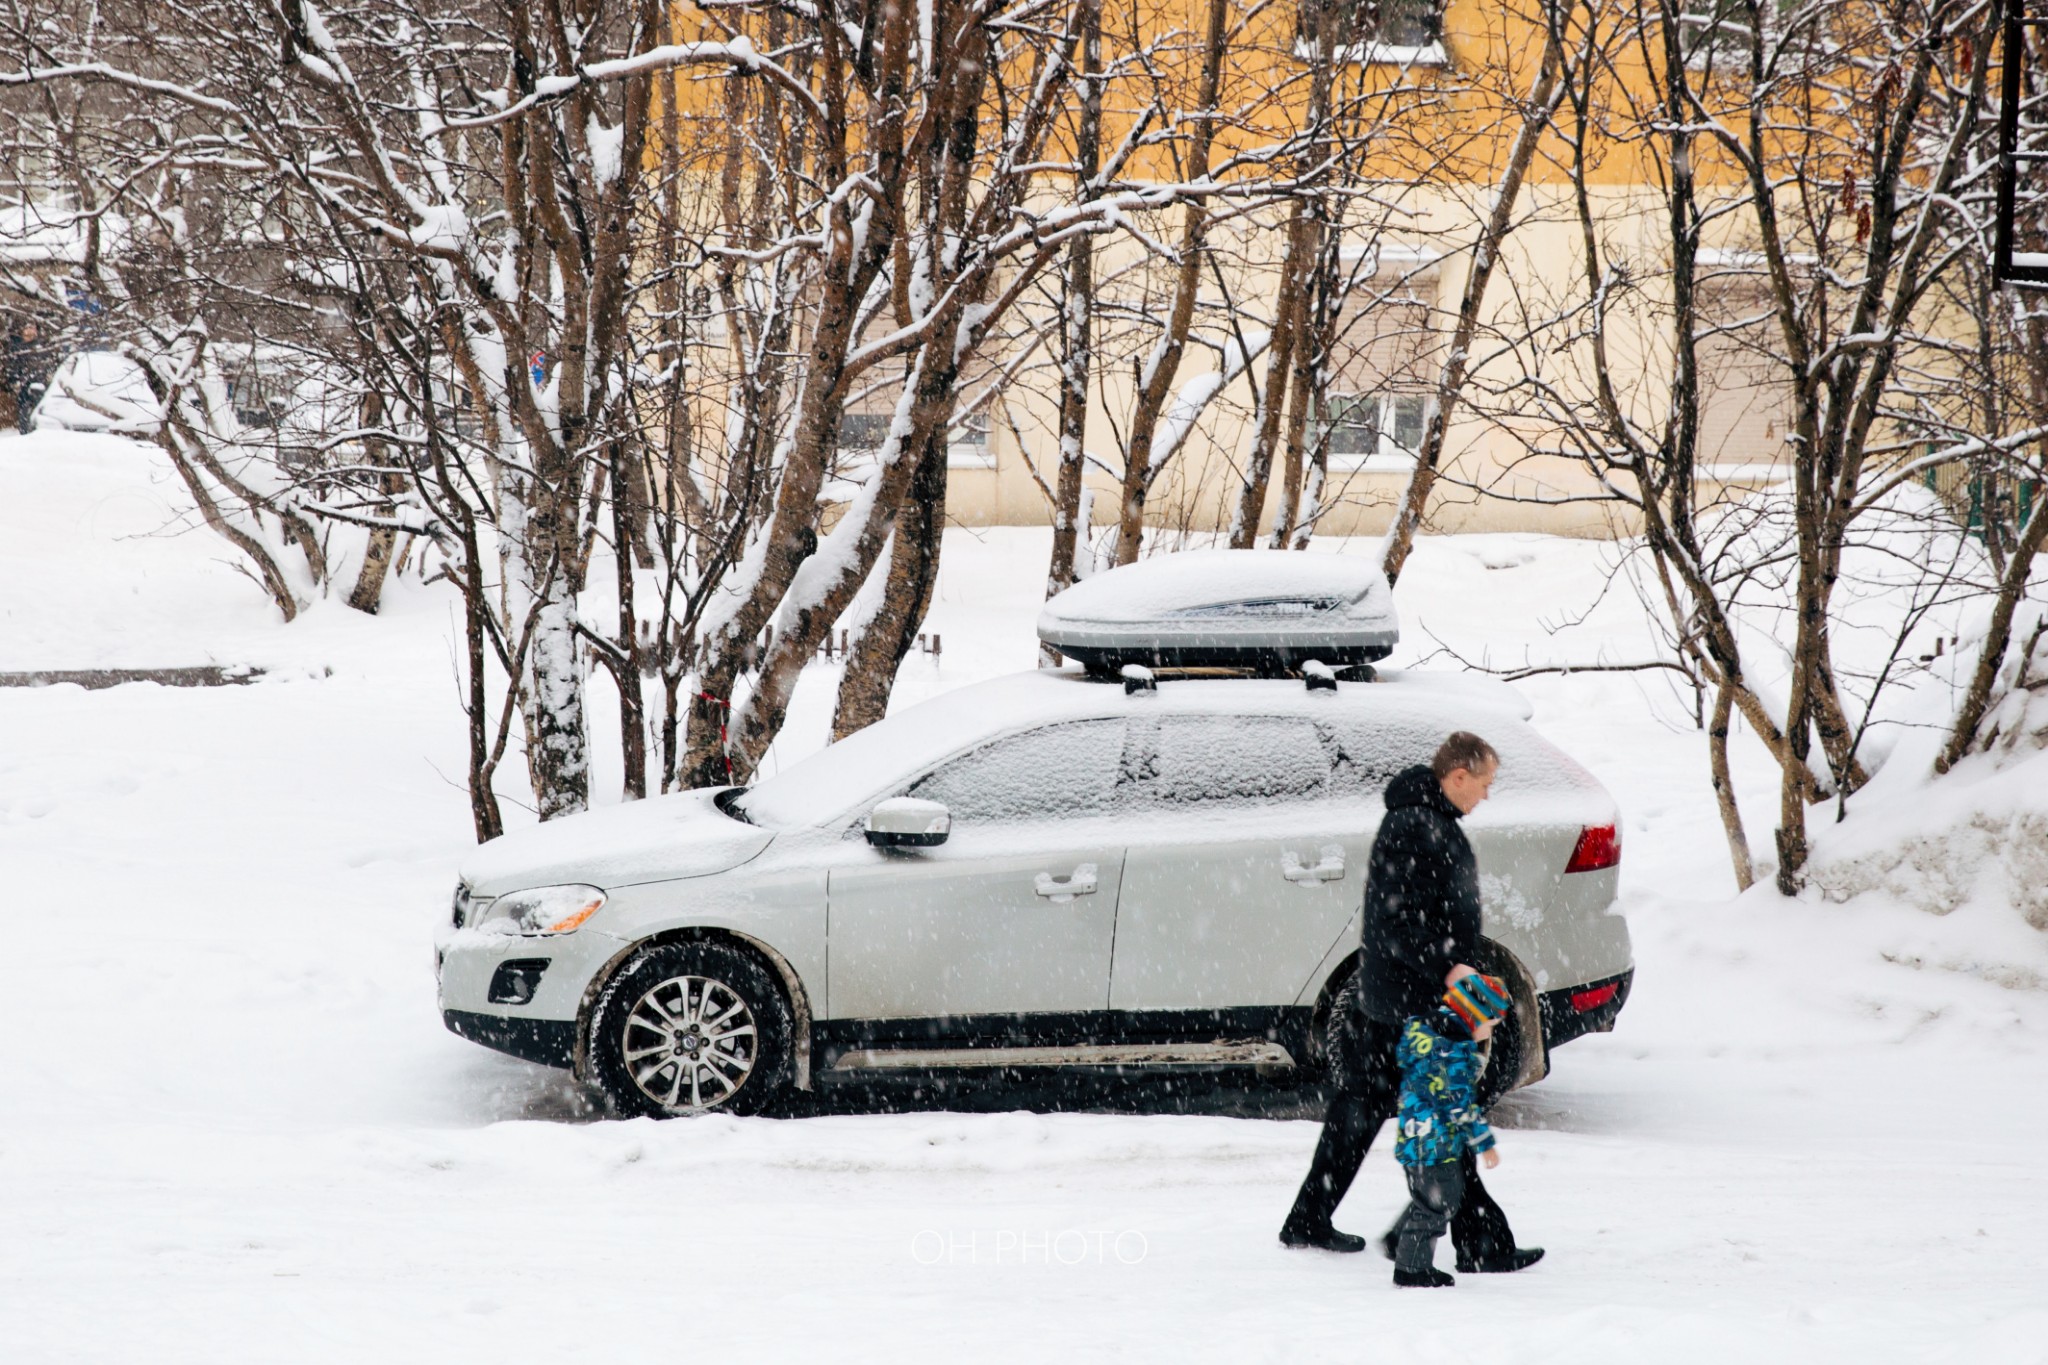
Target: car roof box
1265 610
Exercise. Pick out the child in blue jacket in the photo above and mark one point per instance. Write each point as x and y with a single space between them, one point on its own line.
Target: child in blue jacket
1440 1119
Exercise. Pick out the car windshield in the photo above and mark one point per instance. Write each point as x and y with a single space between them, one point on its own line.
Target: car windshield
834 780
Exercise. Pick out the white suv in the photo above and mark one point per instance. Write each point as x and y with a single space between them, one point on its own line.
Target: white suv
1046 870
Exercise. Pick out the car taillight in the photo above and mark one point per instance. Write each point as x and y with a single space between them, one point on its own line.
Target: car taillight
1586 1001
1599 846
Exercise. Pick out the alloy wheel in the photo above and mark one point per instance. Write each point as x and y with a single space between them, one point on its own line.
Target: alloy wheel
689 1043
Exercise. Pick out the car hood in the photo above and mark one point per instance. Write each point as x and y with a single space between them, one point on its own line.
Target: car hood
661 838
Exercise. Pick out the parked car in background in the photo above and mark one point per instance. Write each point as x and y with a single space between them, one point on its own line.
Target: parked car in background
98 391
1044 871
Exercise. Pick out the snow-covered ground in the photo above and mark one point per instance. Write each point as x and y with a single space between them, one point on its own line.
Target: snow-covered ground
235 1131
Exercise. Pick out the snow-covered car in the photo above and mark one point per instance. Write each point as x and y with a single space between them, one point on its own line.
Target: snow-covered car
98 391
1041 871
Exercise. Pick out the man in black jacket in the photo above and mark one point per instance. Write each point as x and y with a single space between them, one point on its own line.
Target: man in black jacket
1421 934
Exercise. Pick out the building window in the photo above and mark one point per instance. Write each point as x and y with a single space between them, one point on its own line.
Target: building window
861 435
967 444
1375 432
1715 34
1384 362
1392 31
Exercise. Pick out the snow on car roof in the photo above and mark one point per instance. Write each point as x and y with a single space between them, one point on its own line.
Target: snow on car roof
835 781
1226 605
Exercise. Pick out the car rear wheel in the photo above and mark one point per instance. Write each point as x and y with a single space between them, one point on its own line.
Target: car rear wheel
691 1028
1502 1054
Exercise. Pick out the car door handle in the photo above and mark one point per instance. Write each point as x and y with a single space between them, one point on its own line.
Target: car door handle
1330 869
1059 892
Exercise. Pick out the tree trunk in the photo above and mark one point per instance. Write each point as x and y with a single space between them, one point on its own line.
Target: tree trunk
887 637
2012 587
178 443
847 556
1536 115
541 600
1808 602
1724 787
1155 382
483 800
1272 406
851 263
1294 471
368 592
1077 342
632 703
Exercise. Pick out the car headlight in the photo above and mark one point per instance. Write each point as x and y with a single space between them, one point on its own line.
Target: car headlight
542 910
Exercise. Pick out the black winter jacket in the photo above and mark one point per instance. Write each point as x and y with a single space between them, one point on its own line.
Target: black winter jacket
1421 902
23 363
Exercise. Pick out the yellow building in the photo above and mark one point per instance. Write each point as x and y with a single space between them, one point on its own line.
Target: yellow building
1432 99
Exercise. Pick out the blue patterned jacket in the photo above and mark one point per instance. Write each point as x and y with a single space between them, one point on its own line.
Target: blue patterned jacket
1439 1118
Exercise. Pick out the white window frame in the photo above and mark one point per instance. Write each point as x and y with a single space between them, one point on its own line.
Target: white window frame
963 449
858 451
1381 54
1390 457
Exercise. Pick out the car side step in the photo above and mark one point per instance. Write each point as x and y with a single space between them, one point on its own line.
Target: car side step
1247 1052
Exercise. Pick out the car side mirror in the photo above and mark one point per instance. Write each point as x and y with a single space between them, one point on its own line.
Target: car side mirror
907 822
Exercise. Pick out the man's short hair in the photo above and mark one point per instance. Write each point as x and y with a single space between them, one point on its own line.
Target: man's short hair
1462 749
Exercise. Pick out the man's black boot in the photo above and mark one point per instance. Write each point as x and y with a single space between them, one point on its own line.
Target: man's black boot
1429 1277
1325 1238
1521 1258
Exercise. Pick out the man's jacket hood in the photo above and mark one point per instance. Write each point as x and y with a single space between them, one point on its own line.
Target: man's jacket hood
1418 786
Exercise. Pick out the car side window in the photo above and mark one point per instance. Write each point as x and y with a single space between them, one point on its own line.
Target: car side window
1205 761
1366 758
1370 754
1064 771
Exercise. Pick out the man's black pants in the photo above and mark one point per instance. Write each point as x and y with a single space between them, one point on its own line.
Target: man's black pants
1365 1089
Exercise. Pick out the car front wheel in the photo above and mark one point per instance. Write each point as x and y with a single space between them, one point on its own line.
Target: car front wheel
691 1028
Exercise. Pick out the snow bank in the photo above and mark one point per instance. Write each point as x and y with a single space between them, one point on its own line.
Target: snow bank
288 1157
1977 838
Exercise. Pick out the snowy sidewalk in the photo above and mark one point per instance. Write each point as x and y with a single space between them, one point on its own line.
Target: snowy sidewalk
235 1130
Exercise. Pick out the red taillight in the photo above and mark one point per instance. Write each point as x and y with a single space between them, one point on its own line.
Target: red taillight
1585 1001
1599 846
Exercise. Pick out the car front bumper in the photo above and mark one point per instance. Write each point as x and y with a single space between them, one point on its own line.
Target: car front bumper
520 994
551 1042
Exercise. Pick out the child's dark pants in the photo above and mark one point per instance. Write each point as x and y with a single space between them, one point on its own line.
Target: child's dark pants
1366 1087
1434 1195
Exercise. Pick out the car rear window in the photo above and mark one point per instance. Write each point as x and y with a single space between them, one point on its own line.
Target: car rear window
1370 752
1234 760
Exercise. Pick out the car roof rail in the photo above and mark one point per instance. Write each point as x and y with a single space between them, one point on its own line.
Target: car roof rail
1317 675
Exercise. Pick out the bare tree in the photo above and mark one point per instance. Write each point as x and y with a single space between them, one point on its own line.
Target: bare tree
1076 321
1533 119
